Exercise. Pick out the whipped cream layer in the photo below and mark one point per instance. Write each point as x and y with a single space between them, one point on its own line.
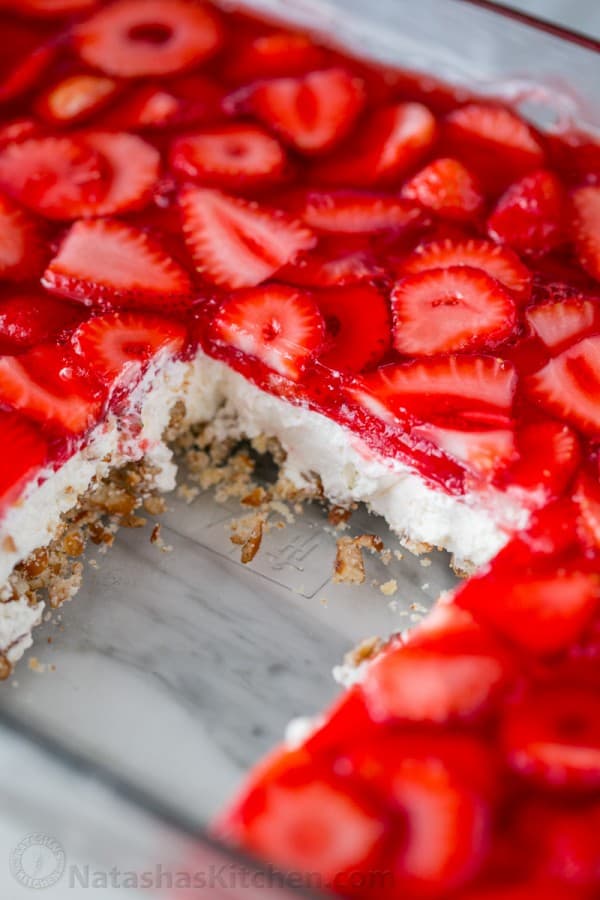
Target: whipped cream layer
472 527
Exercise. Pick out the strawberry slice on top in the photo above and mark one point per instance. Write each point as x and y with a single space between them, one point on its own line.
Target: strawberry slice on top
499 262
357 212
279 325
28 318
357 320
277 54
24 452
21 247
132 38
569 385
232 156
497 145
529 216
447 188
50 384
314 112
236 243
585 227
75 98
446 310
393 139
106 263
121 342
561 322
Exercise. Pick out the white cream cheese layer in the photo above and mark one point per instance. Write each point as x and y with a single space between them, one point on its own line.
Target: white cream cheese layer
472 527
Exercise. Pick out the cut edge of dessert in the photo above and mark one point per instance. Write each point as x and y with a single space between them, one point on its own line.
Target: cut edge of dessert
209 218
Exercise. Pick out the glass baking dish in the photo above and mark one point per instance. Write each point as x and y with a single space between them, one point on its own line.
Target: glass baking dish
147 699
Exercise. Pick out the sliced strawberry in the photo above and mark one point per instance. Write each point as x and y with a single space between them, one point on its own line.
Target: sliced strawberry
184 101
552 738
313 113
277 54
130 38
559 322
29 70
447 188
446 822
24 452
134 168
585 227
484 452
18 130
357 212
587 497
548 454
105 263
51 8
445 310
493 142
392 140
235 243
563 842
468 391
50 385
541 614
569 385
231 156
120 342
75 98
21 247
332 264
499 262
301 817
59 177
357 321
281 326
28 319
428 686
529 216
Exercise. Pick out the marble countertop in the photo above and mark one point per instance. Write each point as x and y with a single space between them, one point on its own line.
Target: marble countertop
172 672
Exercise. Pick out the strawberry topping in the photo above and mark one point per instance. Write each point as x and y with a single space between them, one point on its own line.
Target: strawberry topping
569 385
562 321
445 310
529 216
130 38
106 263
280 325
21 248
235 243
447 188
357 321
585 227
25 452
32 317
75 98
357 212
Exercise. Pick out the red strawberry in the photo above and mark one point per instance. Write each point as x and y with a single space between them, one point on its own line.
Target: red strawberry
75 98
529 216
357 212
563 842
28 71
24 453
281 326
28 319
552 738
391 142
49 385
429 686
468 391
105 263
184 101
21 247
231 156
482 451
569 385
540 614
134 169
446 822
120 342
60 177
444 310
51 8
499 262
274 55
585 227
586 494
130 38
17 130
548 456
357 322
447 188
332 264
314 112
235 243
559 322
494 142
302 818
